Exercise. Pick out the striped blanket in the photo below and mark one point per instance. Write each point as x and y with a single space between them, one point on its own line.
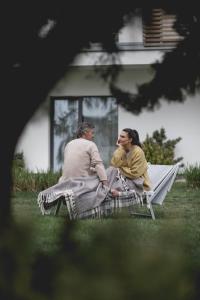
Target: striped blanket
86 197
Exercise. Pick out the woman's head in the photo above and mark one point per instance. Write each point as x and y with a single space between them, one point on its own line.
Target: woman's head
129 135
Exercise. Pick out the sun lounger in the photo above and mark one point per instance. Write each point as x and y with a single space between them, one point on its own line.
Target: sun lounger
162 178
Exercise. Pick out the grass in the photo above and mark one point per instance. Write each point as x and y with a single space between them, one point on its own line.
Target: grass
178 216
134 257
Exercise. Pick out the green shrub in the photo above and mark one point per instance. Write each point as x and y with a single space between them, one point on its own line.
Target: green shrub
18 160
160 150
192 175
24 180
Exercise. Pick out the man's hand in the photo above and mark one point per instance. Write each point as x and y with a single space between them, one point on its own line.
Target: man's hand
115 193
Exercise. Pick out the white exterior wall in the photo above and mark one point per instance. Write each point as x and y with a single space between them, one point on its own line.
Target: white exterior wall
128 35
35 142
35 139
178 119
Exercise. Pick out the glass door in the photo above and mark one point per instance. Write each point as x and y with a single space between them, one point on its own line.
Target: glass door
103 113
68 112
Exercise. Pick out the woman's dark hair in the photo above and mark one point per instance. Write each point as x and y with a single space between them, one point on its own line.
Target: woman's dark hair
84 127
133 134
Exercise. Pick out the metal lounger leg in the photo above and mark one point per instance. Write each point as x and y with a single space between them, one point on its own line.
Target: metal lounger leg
151 211
58 205
149 207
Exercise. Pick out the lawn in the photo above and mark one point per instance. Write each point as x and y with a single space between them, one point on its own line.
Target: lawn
120 257
176 220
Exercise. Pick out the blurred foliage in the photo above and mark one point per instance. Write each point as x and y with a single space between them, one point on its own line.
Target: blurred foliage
177 75
192 175
15 262
112 265
160 150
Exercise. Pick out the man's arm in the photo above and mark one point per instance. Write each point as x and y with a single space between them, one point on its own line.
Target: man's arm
97 163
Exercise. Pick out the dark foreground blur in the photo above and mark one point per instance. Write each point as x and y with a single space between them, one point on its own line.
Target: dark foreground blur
112 265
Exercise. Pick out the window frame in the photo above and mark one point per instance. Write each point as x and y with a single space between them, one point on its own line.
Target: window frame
80 117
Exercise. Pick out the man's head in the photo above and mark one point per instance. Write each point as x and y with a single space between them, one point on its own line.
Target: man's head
86 131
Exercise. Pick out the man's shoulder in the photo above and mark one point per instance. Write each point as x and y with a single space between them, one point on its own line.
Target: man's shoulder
74 141
91 144
80 141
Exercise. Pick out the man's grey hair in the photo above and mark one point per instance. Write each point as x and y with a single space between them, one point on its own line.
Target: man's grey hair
83 128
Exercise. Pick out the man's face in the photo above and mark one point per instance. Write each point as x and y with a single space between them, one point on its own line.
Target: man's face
89 134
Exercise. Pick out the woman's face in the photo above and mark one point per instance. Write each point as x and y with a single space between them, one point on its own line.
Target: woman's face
123 139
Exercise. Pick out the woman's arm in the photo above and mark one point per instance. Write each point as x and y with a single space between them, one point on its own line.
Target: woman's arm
137 166
118 157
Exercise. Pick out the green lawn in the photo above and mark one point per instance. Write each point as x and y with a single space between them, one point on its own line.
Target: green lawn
177 218
117 258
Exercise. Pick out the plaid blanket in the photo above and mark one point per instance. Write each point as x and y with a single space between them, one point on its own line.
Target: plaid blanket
86 197
109 206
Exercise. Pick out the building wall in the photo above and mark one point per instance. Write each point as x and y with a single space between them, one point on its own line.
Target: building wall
35 139
35 142
178 119
128 35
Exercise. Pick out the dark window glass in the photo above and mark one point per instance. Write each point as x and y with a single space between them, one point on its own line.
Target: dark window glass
67 113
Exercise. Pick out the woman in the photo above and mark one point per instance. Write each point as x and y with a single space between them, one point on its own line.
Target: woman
130 159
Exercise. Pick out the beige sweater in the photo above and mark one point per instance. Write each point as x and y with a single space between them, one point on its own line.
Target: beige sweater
82 158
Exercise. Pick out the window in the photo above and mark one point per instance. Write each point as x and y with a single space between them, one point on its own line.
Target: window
67 112
158 30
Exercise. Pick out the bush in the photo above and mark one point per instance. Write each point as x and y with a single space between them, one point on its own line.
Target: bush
192 175
24 180
18 160
159 150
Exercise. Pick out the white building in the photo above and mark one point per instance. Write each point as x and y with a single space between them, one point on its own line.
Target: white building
82 94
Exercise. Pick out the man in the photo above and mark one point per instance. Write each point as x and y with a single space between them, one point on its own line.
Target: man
81 156
76 185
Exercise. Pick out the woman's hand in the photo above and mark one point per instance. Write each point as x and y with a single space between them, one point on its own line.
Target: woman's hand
104 182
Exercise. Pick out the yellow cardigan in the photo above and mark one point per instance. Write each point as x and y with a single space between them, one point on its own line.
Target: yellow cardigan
132 164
